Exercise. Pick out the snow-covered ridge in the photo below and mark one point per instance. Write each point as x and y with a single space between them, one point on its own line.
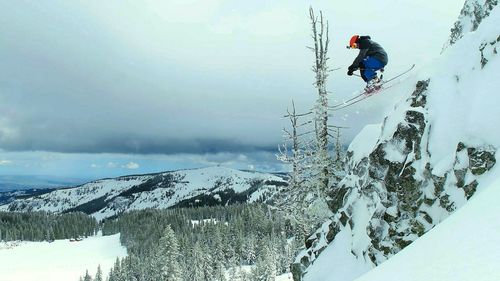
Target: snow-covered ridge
196 187
423 162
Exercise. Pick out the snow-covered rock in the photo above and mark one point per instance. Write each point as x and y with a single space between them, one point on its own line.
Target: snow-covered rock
423 162
196 187
466 246
471 15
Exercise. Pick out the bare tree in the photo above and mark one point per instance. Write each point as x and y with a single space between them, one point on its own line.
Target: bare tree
307 143
300 151
320 68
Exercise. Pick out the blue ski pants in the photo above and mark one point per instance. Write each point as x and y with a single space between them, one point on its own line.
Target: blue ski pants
369 67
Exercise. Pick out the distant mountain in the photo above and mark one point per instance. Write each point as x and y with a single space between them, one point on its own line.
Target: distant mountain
17 182
184 188
9 196
14 186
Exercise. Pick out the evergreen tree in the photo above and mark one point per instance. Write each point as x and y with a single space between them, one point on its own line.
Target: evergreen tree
40 226
197 271
219 271
249 250
111 276
233 265
167 256
208 269
117 270
87 276
98 275
205 250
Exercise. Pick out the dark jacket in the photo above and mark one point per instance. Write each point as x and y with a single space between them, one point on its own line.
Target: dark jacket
368 48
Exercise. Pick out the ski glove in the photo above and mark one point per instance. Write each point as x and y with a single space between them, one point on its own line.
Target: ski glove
351 69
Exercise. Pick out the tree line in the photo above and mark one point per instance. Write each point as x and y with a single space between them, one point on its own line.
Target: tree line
205 243
44 226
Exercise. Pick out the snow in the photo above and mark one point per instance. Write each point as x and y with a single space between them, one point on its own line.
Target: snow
284 277
364 142
467 109
462 106
361 215
338 256
202 181
345 254
63 199
247 269
203 222
192 183
60 260
466 246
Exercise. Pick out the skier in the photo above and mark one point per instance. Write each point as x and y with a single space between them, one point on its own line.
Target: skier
371 57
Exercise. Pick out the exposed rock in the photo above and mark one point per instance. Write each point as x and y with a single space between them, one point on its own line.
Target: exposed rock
470 189
481 159
471 15
332 232
398 188
336 198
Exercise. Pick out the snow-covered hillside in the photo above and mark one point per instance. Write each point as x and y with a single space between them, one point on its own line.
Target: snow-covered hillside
59 260
108 197
406 175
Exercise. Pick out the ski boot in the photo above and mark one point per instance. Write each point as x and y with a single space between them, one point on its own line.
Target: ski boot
373 86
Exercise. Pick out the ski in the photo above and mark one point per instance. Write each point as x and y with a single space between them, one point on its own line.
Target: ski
346 102
399 75
365 94
361 97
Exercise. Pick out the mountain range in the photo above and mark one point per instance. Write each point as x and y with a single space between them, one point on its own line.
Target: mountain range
184 188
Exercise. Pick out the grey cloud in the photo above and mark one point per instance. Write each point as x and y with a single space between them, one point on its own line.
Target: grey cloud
78 76
68 83
139 145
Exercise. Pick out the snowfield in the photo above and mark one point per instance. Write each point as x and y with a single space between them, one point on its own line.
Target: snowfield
60 260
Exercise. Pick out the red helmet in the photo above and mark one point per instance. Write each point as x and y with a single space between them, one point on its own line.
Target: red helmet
352 42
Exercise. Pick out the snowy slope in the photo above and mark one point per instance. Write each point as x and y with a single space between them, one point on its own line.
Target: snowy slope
407 174
471 16
108 197
60 260
466 246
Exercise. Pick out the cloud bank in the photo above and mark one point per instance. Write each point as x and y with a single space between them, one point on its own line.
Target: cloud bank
169 77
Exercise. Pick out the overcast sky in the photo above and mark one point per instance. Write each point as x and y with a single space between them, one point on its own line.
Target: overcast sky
102 88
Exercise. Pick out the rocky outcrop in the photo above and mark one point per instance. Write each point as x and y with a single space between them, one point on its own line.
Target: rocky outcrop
471 16
489 49
397 188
